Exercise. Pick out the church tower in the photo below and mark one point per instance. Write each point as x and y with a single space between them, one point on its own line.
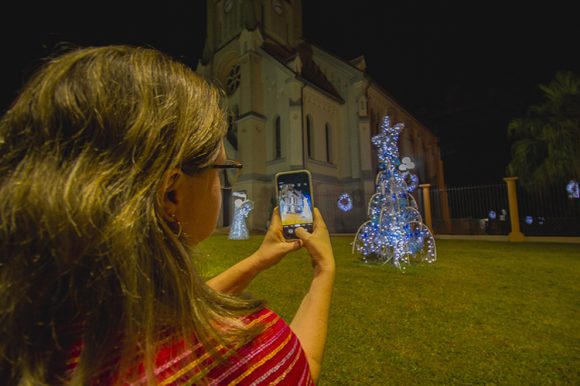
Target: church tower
278 20
236 32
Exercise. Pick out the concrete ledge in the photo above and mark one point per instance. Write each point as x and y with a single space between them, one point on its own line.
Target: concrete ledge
533 239
553 239
473 237
530 239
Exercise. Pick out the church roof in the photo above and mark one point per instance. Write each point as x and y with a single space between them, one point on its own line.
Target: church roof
279 52
311 72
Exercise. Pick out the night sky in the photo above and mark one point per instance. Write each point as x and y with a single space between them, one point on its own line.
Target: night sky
464 73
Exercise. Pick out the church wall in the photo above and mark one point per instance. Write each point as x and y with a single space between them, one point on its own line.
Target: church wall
332 179
322 111
354 165
276 105
347 81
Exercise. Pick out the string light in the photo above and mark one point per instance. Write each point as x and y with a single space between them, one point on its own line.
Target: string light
239 228
394 233
344 202
411 180
573 189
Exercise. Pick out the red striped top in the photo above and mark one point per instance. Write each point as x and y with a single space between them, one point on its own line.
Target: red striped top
275 357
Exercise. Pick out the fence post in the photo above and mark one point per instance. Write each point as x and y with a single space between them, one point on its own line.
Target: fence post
427 206
515 234
446 213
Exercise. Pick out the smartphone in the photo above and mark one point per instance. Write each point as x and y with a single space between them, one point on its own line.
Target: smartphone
295 201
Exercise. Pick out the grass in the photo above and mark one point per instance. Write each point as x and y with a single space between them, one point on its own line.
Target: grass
484 313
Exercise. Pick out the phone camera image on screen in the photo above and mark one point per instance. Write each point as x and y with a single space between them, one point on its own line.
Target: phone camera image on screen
295 202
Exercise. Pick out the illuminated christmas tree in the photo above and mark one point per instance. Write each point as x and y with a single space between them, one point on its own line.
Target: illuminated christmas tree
395 233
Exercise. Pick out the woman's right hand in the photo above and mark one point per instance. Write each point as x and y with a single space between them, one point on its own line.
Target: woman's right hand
318 244
310 323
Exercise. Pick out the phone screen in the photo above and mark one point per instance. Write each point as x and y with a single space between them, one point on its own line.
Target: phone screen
295 202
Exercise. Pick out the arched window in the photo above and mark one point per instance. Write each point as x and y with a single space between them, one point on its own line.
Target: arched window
309 147
233 80
328 137
277 139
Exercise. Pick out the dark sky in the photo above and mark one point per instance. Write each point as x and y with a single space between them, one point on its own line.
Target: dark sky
464 73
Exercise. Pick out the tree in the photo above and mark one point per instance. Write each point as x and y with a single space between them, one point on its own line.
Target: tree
546 141
395 232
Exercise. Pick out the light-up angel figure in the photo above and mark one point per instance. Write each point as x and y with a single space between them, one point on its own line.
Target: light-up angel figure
395 233
239 228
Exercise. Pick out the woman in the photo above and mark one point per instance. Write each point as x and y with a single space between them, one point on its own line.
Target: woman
109 164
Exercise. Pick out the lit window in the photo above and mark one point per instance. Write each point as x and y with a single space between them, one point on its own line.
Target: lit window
309 136
328 135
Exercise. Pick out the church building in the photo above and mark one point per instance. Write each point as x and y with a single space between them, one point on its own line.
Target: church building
294 105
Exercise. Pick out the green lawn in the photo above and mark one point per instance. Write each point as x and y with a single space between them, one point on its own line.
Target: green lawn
484 313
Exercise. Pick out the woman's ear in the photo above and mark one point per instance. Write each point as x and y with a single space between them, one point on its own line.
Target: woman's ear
167 196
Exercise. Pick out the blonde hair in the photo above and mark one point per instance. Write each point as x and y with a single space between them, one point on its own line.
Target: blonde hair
85 254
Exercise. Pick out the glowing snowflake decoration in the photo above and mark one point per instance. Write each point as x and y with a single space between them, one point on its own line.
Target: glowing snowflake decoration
411 180
344 202
573 189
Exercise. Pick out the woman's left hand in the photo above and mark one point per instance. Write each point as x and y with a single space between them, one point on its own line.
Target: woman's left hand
275 247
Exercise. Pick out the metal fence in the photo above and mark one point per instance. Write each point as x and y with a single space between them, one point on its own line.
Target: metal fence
484 209
470 210
548 212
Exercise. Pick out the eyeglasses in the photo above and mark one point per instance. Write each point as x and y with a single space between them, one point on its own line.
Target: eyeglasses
229 172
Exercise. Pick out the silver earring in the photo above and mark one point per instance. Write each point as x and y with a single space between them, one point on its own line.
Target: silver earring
180 228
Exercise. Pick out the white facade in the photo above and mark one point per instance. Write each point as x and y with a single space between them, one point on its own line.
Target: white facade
295 106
